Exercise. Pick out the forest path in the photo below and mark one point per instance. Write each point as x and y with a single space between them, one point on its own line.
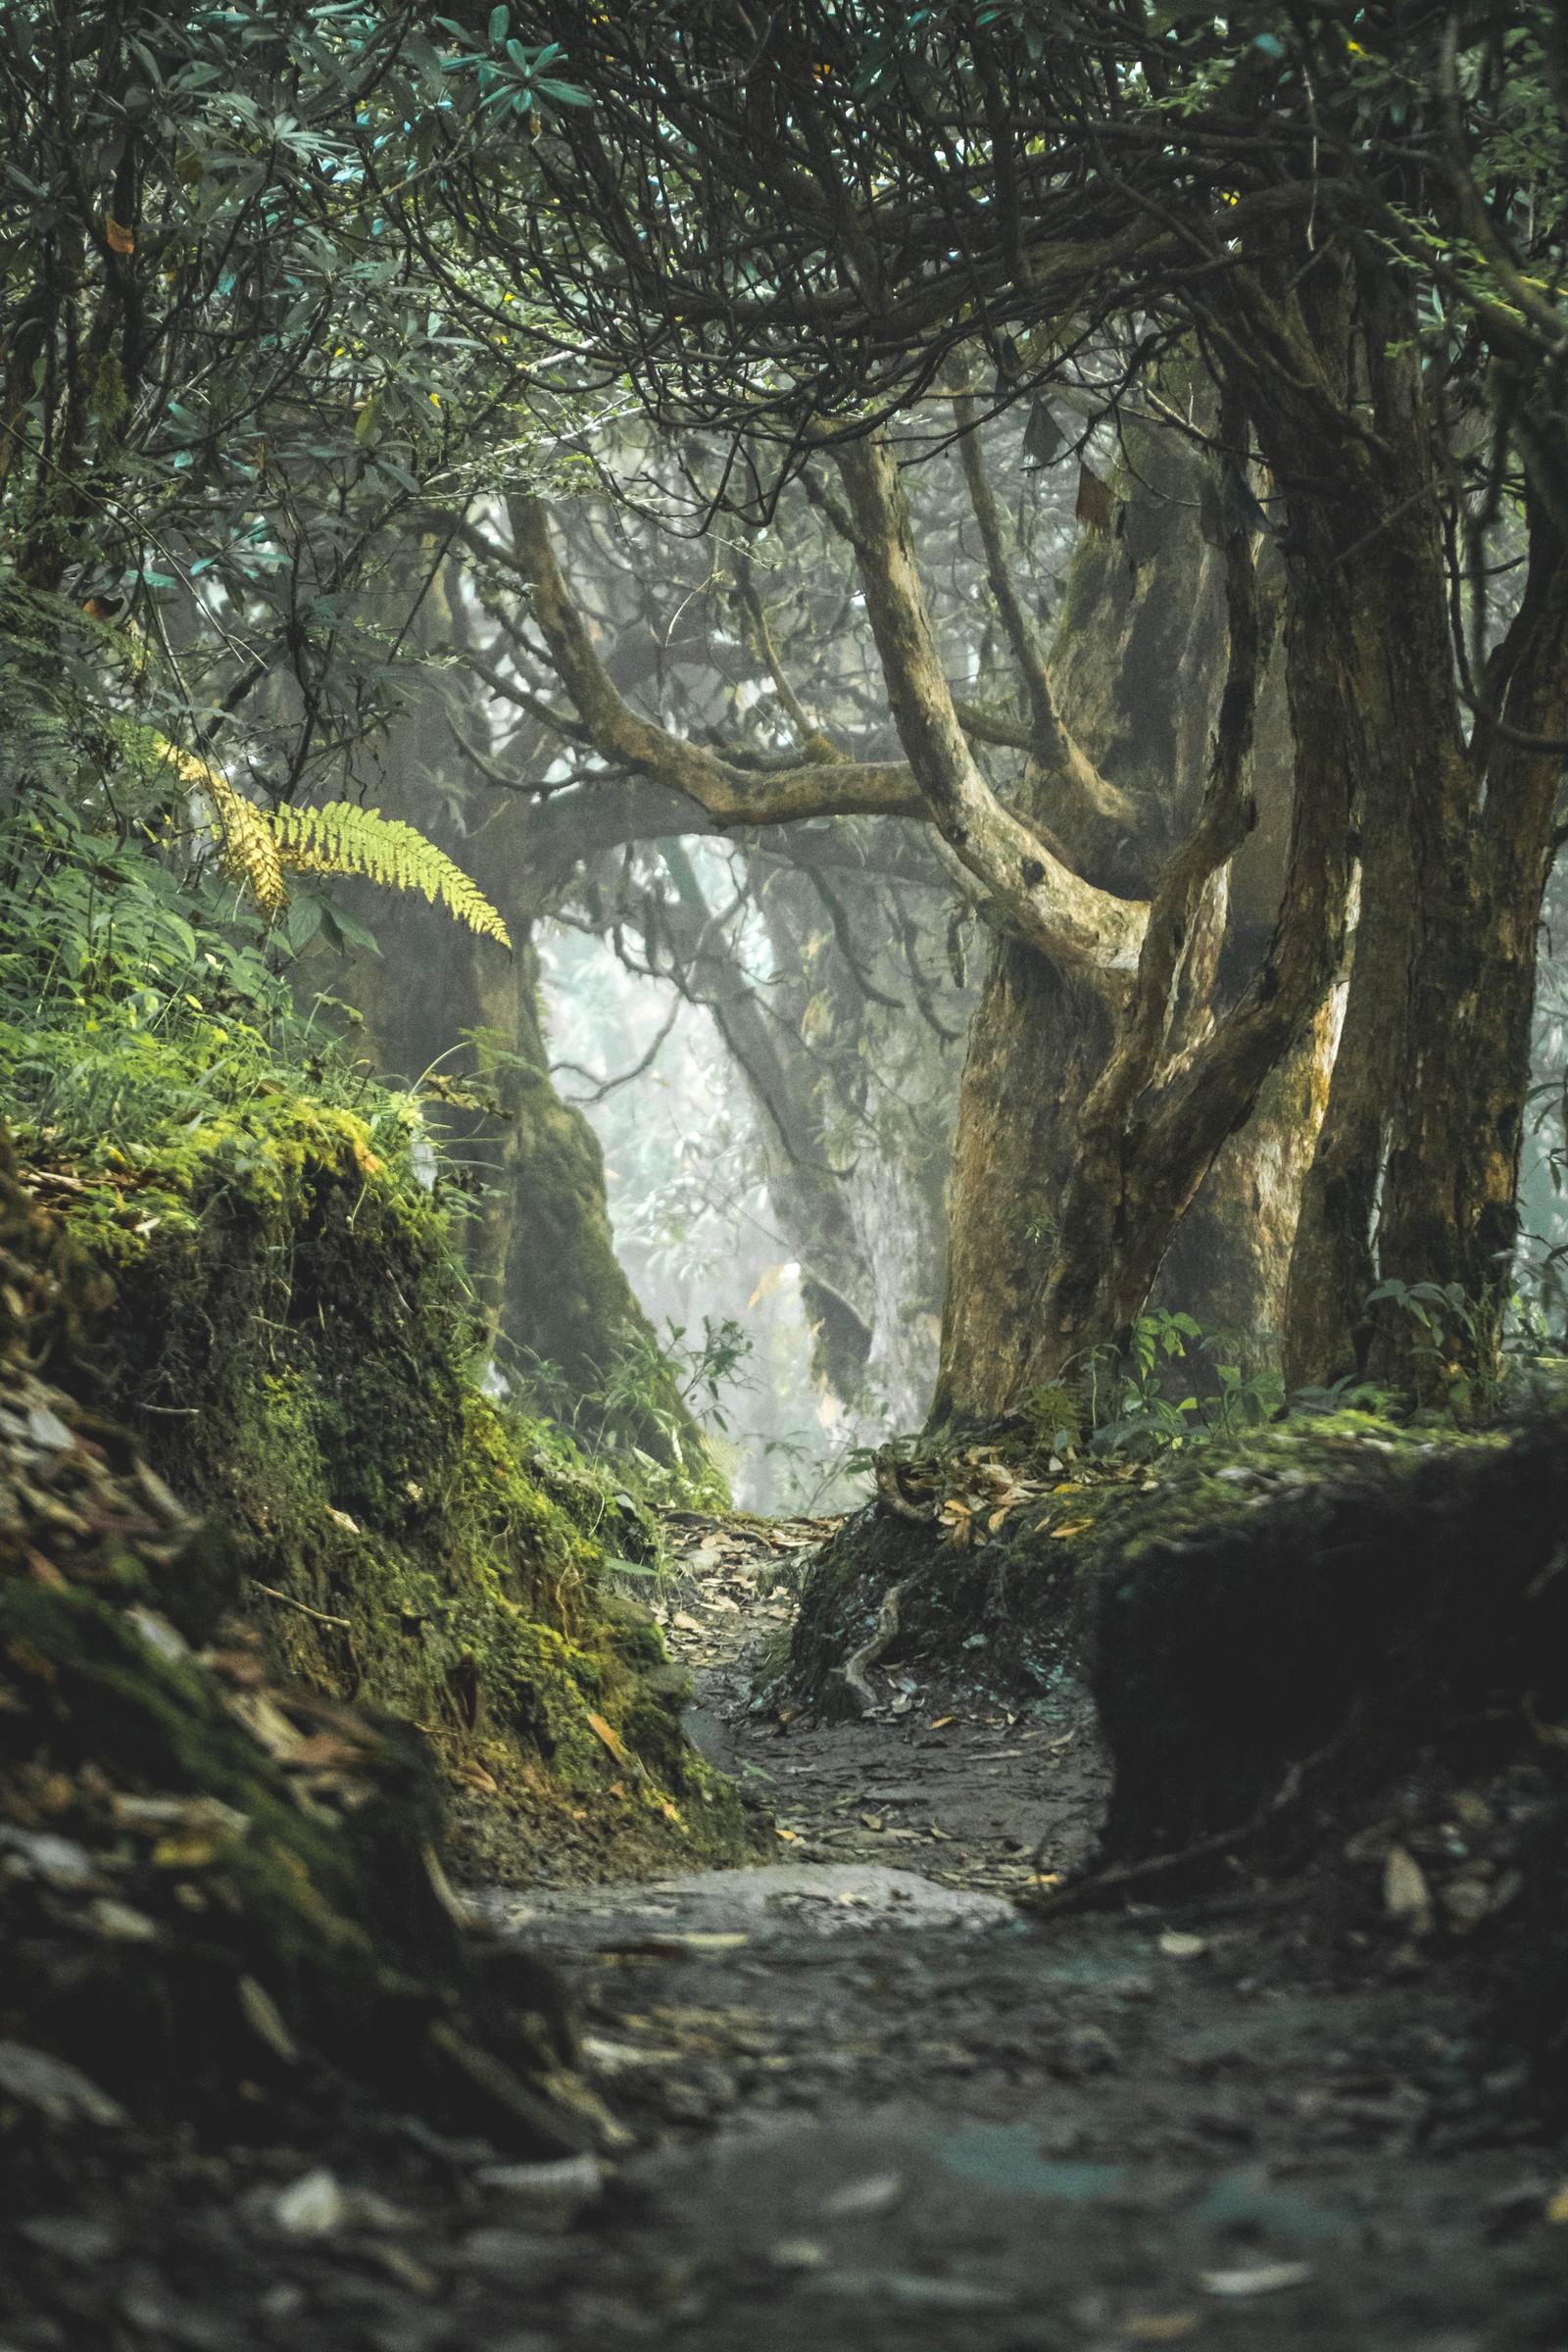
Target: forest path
963 1788
866 2103
877 2106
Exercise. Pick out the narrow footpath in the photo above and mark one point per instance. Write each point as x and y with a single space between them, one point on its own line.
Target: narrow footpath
865 2101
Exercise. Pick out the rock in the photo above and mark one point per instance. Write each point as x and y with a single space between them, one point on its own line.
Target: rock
313 2206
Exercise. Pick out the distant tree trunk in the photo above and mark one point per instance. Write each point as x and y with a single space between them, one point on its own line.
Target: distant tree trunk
536 1236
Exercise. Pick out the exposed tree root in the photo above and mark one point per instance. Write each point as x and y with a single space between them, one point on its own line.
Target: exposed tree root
887 1626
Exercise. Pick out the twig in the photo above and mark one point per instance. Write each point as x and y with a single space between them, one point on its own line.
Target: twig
1106 1883
289 1602
607 1085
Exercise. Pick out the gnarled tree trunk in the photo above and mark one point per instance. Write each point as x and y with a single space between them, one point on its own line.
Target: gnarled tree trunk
1416 1170
1137 669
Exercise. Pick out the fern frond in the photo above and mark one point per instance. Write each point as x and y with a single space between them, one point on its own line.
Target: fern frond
245 836
338 838
341 838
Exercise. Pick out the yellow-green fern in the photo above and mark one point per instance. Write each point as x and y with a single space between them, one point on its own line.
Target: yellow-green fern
338 838
341 838
246 839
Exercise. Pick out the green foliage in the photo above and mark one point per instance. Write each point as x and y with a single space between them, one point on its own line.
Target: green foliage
1133 1403
1052 1414
262 278
229 372
670 1386
339 838
1446 1353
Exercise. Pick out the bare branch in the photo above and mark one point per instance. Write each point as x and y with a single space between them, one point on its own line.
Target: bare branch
729 794
1084 928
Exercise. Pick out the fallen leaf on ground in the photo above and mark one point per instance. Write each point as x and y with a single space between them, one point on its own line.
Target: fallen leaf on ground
549 2195
265 2019
1176 1946
877 2194
1264 2278
913 2287
797 2254
58 2091
1077 1527
1406 1895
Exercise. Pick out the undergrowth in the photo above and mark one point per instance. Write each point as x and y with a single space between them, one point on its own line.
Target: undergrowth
281 1321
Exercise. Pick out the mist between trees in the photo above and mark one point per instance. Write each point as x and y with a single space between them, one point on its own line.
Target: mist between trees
980 591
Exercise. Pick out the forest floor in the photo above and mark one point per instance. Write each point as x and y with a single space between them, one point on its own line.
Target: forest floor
869 2102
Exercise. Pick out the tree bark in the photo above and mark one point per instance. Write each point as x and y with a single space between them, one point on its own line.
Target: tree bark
1136 673
1416 1168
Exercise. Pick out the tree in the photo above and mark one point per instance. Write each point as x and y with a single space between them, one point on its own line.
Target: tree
1136 663
226 385
787 230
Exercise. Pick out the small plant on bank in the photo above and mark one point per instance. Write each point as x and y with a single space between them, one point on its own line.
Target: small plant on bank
1129 1407
652 1393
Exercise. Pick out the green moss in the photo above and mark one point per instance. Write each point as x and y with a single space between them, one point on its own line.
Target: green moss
296 1350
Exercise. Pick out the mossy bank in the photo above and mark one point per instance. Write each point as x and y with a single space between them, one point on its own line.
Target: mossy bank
281 1326
997 1552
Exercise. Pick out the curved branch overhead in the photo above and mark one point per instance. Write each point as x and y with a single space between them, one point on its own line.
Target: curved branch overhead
728 795
1020 875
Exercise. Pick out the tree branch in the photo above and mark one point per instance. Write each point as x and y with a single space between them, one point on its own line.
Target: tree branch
1087 795
729 794
1079 926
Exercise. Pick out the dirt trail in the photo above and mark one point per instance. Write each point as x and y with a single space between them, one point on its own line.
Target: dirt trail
965 1788
868 2104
